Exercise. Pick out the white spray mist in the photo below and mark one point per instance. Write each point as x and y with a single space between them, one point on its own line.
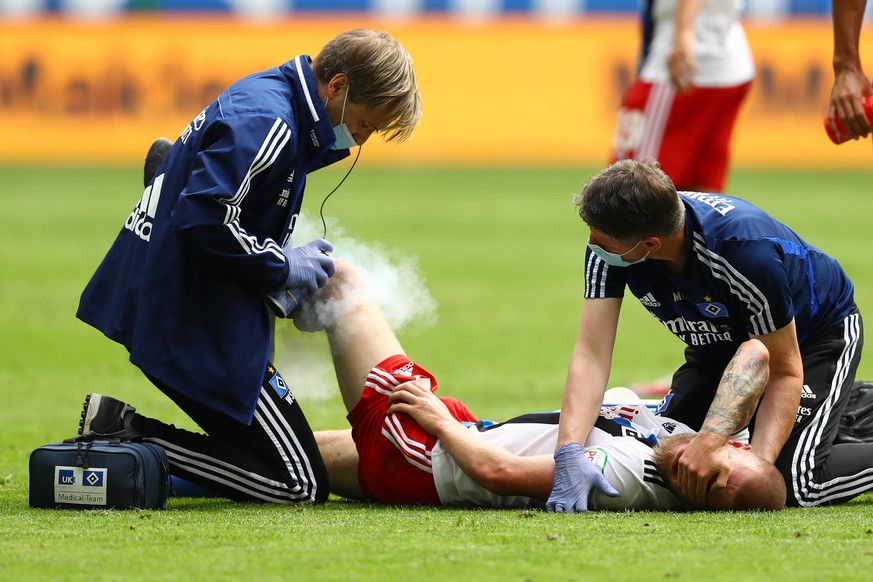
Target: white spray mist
393 280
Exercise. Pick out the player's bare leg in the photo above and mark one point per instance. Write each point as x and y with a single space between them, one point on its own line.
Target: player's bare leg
358 334
341 459
359 338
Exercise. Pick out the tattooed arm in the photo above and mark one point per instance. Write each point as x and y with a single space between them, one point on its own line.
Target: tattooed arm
705 464
739 390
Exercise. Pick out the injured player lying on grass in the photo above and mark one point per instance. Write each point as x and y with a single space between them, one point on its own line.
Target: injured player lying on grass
408 446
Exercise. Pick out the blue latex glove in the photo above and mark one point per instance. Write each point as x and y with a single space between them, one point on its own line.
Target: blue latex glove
575 477
309 266
314 257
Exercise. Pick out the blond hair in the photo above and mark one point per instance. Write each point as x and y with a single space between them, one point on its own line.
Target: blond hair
380 77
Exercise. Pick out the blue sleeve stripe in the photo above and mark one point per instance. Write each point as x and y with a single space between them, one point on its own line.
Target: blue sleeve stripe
792 248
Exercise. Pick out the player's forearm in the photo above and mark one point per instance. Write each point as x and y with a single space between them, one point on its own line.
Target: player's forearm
588 370
737 396
686 14
583 396
578 415
495 468
776 416
848 18
580 407
477 458
739 390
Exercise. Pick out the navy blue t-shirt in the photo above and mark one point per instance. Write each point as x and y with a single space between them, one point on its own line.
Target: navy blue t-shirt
745 274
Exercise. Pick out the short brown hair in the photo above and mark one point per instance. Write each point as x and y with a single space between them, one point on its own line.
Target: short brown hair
631 199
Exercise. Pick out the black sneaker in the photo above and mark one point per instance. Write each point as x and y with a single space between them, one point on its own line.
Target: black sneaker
107 417
154 158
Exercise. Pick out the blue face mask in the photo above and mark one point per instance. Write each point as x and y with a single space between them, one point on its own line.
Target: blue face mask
344 138
615 259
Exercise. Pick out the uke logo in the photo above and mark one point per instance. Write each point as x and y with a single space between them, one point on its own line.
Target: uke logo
140 221
66 477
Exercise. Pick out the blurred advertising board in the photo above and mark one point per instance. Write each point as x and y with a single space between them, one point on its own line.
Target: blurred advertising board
513 90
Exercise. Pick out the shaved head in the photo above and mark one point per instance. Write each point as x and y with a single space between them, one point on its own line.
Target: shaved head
753 482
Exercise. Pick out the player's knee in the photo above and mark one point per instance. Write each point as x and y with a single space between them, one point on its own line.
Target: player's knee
344 279
314 487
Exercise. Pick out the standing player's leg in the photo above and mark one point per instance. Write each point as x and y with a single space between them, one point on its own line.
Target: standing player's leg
641 120
710 118
688 133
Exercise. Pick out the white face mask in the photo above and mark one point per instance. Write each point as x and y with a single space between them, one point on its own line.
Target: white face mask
615 259
344 137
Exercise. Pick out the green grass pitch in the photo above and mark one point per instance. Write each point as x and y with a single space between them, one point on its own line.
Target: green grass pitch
501 252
